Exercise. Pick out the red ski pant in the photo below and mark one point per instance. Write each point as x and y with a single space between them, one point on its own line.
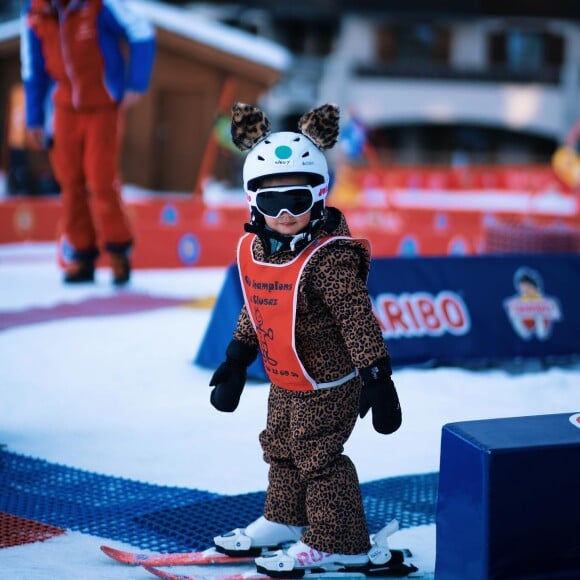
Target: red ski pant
84 158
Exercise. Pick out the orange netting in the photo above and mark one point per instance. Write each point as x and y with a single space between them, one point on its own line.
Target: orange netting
522 238
15 531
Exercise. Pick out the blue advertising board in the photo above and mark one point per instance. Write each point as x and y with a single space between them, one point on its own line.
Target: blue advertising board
451 310
455 309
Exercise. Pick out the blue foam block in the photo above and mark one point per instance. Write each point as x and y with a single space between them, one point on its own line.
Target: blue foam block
509 499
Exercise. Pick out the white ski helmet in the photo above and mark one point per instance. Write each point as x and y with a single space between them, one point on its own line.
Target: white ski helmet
282 153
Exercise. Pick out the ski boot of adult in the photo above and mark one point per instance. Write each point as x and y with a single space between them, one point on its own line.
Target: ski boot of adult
120 262
82 267
121 267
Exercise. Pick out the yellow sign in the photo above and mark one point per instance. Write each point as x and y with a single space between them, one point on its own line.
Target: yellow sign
566 165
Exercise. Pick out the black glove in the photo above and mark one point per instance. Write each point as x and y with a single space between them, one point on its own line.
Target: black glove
379 394
230 377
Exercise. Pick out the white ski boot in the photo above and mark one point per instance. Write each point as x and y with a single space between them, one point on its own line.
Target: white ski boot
300 558
260 536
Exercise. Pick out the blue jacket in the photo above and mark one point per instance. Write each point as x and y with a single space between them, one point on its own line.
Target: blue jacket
77 53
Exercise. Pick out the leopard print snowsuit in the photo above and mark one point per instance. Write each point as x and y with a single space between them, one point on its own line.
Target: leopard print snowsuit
311 482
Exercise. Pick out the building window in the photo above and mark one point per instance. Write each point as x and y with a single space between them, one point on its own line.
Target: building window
522 50
412 44
313 38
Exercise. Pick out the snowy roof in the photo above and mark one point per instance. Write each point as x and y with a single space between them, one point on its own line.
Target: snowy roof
199 28
210 32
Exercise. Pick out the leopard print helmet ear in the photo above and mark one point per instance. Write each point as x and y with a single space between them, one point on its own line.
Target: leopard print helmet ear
249 126
320 125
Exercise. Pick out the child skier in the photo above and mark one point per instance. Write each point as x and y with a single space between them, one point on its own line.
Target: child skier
308 311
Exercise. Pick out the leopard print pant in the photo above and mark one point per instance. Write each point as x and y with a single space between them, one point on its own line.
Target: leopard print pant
311 482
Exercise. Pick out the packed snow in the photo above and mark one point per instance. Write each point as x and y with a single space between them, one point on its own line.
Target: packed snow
120 395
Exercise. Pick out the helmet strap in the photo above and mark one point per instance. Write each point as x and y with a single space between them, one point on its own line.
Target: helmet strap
274 242
317 211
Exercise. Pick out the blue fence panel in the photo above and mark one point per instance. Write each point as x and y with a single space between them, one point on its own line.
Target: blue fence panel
451 310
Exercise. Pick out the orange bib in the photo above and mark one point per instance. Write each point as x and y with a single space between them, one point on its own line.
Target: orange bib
270 294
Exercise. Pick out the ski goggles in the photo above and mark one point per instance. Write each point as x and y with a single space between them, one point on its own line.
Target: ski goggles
294 199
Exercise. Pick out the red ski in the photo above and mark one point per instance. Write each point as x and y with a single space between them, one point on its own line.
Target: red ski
256 576
209 556
393 566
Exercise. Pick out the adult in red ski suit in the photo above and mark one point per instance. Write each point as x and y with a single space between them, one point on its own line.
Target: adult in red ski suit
73 54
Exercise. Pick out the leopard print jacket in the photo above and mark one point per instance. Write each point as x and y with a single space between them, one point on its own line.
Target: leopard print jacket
336 329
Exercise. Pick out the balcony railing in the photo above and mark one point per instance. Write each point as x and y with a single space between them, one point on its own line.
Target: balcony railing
491 74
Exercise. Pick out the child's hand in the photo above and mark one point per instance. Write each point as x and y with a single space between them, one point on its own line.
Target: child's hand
230 377
379 394
228 380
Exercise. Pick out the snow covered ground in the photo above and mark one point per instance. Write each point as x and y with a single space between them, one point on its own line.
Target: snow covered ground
118 394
